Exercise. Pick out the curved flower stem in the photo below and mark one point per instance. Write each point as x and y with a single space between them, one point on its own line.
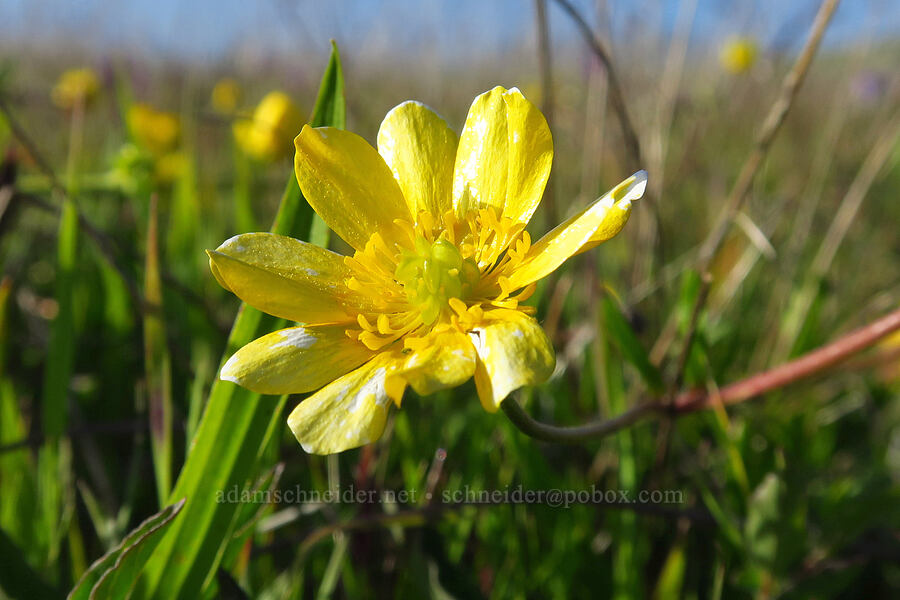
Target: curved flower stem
576 433
690 401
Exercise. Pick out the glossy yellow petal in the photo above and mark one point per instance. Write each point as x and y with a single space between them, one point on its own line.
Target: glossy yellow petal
420 149
286 278
530 156
513 351
481 169
597 223
295 360
347 183
349 412
504 156
445 359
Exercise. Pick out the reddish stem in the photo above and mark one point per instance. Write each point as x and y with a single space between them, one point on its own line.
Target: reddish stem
805 366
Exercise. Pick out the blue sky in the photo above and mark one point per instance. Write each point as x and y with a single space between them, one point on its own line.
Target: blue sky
208 29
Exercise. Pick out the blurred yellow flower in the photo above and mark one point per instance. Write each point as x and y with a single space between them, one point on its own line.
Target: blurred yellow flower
169 167
75 87
890 347
153 130
432 295
738 55
268 133
226 95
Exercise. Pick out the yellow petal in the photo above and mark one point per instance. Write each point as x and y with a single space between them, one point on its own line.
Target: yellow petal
504 156
480 172
448 360
420 148
295 360
530 156
513 351
286 278
349 412
347 183
597 223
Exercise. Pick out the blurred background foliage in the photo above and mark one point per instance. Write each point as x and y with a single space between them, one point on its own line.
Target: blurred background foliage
112 328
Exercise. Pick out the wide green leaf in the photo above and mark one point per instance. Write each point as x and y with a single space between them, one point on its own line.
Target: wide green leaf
236 423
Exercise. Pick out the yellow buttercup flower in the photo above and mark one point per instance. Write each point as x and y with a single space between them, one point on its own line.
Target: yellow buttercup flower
268 133
156 131
170 166
225 96
433 293
75 87
738 55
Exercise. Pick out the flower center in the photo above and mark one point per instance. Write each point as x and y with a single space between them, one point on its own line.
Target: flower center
432 274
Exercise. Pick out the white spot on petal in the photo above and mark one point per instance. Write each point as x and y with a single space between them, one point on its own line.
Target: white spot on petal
373 388
227 372
296 337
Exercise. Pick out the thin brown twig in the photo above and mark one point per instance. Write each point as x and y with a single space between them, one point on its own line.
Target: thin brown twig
95 234
30 147
420 517
107 249
845 215
690 401
103 243
692 332
98 236
616 96
545 68
770 128
771 125
545 61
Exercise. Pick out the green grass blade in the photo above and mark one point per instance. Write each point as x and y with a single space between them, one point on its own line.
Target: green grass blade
204 365
243 197
52 458
114 575
61 352
610 388
234 427
331 108
157 363
671 578
622 335
333 569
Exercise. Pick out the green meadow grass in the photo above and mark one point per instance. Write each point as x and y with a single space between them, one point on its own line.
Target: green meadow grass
112 331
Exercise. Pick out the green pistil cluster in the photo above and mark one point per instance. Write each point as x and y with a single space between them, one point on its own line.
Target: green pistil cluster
434 273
